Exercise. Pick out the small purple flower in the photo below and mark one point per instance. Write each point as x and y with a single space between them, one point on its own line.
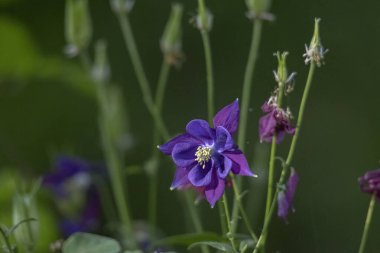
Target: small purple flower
204 156
370 182
275 122
73 178
285 197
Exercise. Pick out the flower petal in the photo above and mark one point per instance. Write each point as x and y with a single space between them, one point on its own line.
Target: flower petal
224 168
283 205
167 148
214 194
292 185
223 140
183 154
199 176
201 130
239 163
180 178
267 126
228 117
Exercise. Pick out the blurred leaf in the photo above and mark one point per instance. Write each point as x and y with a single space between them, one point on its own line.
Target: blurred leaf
188 239
12 229
216 245
90 243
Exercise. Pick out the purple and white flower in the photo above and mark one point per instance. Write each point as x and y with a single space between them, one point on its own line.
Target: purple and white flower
204 156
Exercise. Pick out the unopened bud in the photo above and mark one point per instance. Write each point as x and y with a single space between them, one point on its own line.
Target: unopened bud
171 44
78 30
281 76
122 6
204 18
315 52
259 9
101 70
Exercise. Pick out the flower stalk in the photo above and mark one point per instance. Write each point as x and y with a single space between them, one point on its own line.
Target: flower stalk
367 223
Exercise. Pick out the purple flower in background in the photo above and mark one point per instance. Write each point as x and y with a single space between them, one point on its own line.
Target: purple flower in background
285 197
370 182
275 122
72 186
204 156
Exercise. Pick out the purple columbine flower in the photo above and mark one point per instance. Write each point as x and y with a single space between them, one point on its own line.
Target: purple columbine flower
73 177
286 196
370 182
275 122
204 155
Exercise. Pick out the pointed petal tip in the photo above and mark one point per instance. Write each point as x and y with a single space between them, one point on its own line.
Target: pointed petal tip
172 188
255 175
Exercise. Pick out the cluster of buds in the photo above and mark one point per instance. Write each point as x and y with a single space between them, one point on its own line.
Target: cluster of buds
315 51
170 43
203 21
258 9
122 6
281 75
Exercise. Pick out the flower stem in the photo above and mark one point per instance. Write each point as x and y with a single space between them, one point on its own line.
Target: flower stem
289 158
245 100
230 235
141 76
367 223
159 98
6 240
210 75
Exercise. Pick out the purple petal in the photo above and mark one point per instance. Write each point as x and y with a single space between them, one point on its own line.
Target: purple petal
183 154
223 140
228 117
214 194
180 178
283 206
201 130
225 168
167 148
291 185
266 107
370 182
267 126
239 164
200 177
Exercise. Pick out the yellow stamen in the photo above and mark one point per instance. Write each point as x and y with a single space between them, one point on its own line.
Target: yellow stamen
203 155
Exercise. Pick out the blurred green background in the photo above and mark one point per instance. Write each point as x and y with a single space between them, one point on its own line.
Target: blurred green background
48 107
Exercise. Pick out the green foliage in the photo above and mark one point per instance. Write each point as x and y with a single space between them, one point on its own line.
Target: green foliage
225 247
188 239
90 243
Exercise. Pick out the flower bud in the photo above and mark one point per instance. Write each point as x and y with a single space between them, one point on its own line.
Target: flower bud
101 70
204 18
78 30
171 44
122 6
315 52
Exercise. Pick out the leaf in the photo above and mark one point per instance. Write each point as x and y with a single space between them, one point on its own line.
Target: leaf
90 243
188 239
225 247
12 229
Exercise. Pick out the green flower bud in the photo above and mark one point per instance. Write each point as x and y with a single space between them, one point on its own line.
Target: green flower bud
281 75
204 18
78 30
259 9
171 44
122 6
315 52
101 69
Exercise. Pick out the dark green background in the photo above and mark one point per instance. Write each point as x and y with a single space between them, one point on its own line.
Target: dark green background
47 104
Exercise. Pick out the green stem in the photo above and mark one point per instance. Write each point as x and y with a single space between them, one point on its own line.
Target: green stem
230 234
367 223
141 76
6 240
245 101
290 156
271 175
210 75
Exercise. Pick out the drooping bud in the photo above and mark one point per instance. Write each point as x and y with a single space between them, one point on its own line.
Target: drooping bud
25 215
203 20
122 6
259 9
101 70
315 52
78 30
171 44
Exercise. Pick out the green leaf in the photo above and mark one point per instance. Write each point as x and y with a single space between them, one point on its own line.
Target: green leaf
225 247
90 243
188 239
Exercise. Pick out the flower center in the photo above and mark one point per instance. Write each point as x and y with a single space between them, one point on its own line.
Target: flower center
203 155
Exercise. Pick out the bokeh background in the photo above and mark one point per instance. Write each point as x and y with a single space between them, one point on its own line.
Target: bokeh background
48 107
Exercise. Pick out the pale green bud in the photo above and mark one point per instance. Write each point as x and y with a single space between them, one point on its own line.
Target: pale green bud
259 9
101 70
204 18
122 6
78 29
315 52
281 75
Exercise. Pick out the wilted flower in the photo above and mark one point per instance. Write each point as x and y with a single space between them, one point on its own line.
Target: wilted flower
204 156
286 196
370 182
275 122
73 188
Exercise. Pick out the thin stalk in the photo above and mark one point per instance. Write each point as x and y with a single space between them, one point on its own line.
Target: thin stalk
367 223
290 156
230 235
6 240
141 76
223 224
210 75
245 100
159 98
